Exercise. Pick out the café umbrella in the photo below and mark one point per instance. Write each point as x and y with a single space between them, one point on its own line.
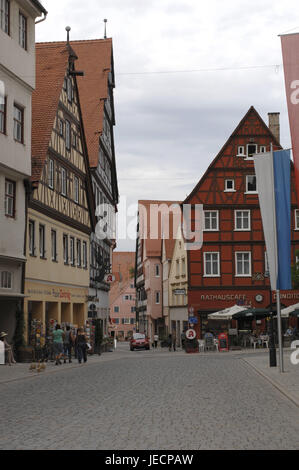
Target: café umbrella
227 313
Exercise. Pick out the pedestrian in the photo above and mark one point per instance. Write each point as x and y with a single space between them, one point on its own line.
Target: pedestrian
67 344
169 342
156 338
81 346
58 336
173 338
9 358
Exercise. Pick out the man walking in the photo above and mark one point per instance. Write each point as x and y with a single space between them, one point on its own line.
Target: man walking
156 338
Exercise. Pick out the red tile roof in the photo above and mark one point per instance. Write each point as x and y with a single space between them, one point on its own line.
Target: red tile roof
51 66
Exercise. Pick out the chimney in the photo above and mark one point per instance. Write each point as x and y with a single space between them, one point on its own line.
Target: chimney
274 125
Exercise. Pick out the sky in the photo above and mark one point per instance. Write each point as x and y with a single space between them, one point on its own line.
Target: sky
186 73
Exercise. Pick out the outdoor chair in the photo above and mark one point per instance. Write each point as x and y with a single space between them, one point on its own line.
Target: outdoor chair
265 340
216 344
209 343
253 342
201 345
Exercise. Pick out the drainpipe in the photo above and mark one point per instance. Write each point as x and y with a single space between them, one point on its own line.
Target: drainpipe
43 19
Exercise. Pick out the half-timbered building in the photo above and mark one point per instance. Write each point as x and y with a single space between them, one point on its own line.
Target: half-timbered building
231 267
61 211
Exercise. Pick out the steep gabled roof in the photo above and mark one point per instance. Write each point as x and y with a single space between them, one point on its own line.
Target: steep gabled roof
251 111
153 246
51 66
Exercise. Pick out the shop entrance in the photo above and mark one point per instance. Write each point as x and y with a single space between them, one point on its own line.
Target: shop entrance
66 313
78 315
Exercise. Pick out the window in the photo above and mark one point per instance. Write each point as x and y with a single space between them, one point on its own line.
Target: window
211 264
251 184
84 255
6 280
183 267
53 245
72 251
3 116
133 309
60 127
76 189
67 135
79 253
251 150
18 124
296 219
65 249
126 321
42 251
157 270
22 31
157 297
10 198
74 140
242 220
116 309
31 237
51 173
229 185
263 149
241 151
4 15
63 182
243 264
69 89
211 220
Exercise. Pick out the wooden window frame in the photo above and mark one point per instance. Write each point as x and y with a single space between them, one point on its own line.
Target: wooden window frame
210 220
22 43
54 248
6 16
51 174
76 190
42 241
79 253
17 122
251 192
242 229
31 238
12 197
84 255
8 275
236 263
63 181
68 135
72 251
65 243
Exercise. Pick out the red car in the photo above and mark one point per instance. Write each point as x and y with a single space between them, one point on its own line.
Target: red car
139 341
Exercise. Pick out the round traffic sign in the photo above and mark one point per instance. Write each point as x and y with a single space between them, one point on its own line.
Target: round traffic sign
190 334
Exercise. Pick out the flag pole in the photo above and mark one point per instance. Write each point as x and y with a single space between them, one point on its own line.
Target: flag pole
279 331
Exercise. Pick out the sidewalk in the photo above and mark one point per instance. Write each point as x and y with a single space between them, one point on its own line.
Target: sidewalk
286 382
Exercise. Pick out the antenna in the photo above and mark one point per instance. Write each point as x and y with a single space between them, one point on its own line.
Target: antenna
68 29
105 32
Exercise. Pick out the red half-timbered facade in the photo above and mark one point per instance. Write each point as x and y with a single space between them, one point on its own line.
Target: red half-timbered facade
230 267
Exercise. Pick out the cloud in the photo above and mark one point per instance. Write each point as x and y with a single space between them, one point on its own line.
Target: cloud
170 126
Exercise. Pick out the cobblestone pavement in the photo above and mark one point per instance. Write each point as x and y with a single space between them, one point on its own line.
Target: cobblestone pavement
151 400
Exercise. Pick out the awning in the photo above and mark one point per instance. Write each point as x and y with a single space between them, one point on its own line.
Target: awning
288 310
227 313
252 313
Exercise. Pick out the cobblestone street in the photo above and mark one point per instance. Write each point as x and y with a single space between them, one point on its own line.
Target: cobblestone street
147 400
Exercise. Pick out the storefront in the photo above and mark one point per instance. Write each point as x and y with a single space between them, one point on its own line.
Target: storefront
48 304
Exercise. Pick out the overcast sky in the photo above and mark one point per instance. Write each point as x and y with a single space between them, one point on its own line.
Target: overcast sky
169 126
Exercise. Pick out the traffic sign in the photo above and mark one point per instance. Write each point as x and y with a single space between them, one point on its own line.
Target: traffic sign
193 320
191 334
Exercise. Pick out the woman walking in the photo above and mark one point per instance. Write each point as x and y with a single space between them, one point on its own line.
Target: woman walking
58 336
81 346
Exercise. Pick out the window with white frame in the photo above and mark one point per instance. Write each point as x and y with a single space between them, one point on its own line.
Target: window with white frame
42 249
251 150
157 297
51 173
157 270
54 245
10 198
84 255
296 219
243 263
65 249
67 134
241 151
211 264
32 237
251 184
242 220
263 149
63 181
211 220
229 185
22 31
79 253
6 280
76 189
72 251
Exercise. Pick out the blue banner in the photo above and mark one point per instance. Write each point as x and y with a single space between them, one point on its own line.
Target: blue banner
282 191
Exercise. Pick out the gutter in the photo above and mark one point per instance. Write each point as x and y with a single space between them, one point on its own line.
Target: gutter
43 19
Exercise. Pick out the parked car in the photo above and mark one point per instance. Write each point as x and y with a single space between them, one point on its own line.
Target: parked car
139 341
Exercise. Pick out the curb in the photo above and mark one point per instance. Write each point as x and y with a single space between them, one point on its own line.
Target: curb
272 382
